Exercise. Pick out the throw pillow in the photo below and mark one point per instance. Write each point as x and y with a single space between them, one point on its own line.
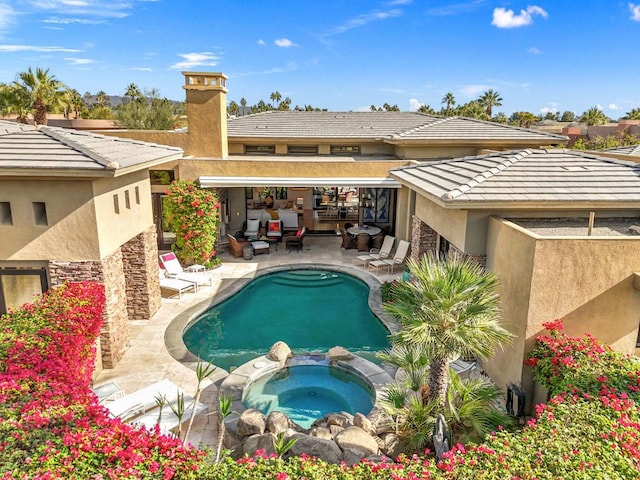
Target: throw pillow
274 226
299 232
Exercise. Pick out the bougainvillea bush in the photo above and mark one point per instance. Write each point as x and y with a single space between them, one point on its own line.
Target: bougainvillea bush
192 213
51 425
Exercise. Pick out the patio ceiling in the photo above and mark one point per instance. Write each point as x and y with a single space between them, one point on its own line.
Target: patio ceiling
373 182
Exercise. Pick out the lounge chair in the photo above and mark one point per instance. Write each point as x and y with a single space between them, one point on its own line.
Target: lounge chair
108 391
174 269
385 251
398 258
175 284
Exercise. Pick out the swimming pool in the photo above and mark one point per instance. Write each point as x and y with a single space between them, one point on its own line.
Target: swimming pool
311 310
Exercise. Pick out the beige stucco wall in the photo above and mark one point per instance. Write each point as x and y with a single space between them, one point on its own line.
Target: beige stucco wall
451 224
73 233
585 281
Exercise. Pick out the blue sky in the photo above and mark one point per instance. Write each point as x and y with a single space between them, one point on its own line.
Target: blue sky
344 55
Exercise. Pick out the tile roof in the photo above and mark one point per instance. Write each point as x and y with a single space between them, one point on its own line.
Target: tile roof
389 126
628 150
525 177
25 147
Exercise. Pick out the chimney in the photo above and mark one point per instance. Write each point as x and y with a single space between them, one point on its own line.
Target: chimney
206 94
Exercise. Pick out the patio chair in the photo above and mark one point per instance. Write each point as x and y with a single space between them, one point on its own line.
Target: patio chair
398 258
295 240
175 284
385 251
274 229
348 242
174 269
140 401
236 245
362 242
253 229
108 391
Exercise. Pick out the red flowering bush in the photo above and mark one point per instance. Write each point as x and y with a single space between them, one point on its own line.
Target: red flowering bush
51 426
192 213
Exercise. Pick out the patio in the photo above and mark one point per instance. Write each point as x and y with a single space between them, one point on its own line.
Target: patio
147 360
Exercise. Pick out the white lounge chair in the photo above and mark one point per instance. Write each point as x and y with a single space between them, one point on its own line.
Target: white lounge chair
166 419
398 258
108 391
385 251
176 285
174 269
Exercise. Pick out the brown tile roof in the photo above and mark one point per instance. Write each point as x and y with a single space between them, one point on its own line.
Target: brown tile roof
24 147
388 126
524 177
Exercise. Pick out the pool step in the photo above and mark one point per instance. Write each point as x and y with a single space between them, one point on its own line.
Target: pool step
311 278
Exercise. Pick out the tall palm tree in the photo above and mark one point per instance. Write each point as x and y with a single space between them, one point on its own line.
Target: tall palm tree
448 100
42 91
276 96
243 104
450 308
488 100
102 99
133 92
593 116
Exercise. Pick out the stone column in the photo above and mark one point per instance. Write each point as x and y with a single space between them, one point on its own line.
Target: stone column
140 266
423 238
114 334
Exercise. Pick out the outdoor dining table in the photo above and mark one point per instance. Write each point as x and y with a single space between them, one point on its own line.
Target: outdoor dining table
357 229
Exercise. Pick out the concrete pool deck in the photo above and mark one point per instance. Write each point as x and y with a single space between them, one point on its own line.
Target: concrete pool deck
148 360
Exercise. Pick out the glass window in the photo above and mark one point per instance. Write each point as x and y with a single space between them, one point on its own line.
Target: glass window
345 149
5 214
302 149
18 286
40 213
259 149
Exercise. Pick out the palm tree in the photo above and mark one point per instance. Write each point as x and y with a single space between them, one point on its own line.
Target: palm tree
243 104
233 108
450 309
132 92
473 109
523 119
14 101
490 99
448 100
102 99
276 96
424 108
634 114
593 116
42 91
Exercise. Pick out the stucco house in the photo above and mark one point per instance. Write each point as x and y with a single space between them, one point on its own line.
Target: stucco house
76 206
459 184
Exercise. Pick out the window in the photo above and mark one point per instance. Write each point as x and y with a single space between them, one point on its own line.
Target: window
162 177
116 203
137 194
5 214
302 149
259 149
345 149
19 285
281 193
127 202
40 213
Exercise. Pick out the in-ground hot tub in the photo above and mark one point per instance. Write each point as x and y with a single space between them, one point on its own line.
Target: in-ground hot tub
307 387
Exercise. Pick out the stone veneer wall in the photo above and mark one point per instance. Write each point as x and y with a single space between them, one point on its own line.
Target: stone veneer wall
114 335
480 259
423 238
140 266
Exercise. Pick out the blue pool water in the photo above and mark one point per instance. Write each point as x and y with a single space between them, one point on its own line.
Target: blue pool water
310 310
307 392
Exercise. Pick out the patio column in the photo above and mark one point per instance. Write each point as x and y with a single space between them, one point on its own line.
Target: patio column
114 334
423 238
140 267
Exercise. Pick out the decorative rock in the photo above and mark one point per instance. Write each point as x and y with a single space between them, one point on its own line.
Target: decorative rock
266 441
277 422
339 353
354 438
351 457
231 437
321 432
318 447
337 419
381 421
279 352
251 422
359 420
391 444
335 429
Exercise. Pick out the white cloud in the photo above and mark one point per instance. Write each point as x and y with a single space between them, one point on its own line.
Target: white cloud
473 90
503 18
142 69
613 106
261 42
364 19
35 48
414 104
284 43
68 21
635 12
534 51
196 59
79 61
455 8
548 110
599 107
7 15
